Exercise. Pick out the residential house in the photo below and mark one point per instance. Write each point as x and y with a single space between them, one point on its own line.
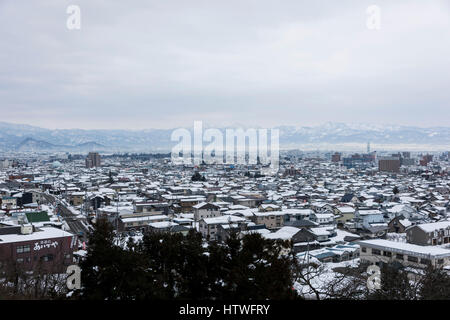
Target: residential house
271 219
427 234
322 218
209 227
399 224
344 214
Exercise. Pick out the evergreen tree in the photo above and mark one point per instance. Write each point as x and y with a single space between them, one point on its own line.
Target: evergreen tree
110 180
198 177
434 285
173 266
254 268
395 284
110 272
194 282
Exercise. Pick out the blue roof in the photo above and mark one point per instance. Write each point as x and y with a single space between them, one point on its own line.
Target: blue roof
326 254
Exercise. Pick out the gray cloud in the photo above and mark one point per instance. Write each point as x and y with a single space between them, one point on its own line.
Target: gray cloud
164 64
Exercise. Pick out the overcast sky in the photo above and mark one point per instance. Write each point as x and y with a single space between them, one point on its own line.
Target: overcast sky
165 63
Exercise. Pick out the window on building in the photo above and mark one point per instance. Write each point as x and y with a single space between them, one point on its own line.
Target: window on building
440 261
23 249
413 259
399 256
48 257
19 260
363 249
376 252
387 253
425 261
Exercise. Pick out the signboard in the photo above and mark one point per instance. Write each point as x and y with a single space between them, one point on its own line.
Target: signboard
45 244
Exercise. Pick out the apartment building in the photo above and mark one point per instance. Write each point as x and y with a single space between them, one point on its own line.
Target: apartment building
389 164
93 160
47 248
206 210
378 251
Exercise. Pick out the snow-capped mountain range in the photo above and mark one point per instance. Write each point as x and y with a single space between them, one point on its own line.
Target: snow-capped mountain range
329 136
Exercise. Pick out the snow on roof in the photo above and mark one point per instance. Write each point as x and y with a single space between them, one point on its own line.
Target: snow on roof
245 213
146 218
238 207
403 247
341 234
81 253
77 194
398 208
43 233
162 224
192 199
405 222
346 209
223 219
324 215
138 204
430 227
269 213
324 231
199 205
260 231
294 211
285 233
369 212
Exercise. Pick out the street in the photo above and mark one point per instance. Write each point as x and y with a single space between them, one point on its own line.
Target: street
77 225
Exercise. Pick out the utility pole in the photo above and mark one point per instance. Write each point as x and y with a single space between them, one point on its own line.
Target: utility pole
86 210
117 213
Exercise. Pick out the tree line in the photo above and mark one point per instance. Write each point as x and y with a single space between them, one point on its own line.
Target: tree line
173 266
177 266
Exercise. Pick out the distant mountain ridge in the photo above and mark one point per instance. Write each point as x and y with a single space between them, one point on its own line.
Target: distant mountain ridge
331 136
33 145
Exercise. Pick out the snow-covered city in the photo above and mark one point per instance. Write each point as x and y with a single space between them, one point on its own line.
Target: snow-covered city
196 159
338 213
